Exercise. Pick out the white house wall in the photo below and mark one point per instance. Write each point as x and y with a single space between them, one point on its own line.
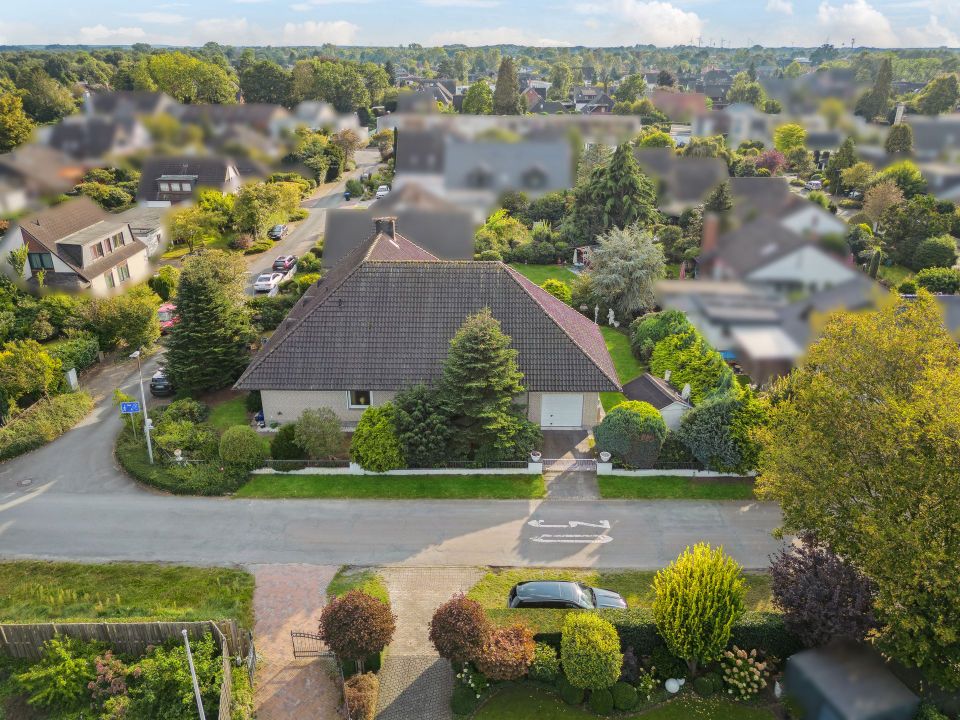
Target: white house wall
673 414
814 220
809 267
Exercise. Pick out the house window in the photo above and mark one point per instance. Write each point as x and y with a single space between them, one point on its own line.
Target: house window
40 261
174 187
185 187
124 272
109 242
118 240
164 187
534 178
97 251
357 399
108 278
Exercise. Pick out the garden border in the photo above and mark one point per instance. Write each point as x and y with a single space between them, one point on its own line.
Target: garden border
355 469
608 469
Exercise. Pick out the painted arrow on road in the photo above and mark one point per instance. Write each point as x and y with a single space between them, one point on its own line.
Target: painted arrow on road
582 539
605 524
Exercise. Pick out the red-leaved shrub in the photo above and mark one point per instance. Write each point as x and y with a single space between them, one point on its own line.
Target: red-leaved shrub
507 653
356 626
459 629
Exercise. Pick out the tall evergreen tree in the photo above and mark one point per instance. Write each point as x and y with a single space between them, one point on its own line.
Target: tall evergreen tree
875 101
899 139
845 157
720 200
209 345
506 96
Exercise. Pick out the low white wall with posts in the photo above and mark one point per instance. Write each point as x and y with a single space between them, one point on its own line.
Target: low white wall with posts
608 469
354 469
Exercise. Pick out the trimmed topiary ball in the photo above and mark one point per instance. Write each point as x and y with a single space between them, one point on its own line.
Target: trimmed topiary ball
703 686
601 702
625 696
571 695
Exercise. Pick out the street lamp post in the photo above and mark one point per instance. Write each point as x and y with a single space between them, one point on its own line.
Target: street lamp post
143 399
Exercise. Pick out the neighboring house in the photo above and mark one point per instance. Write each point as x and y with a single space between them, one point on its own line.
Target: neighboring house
265 118
551 107
420 157
768 253
315 115
40 171
811 219
128 103
584 95
488 167
738 122
683 181
94 137
78 246
943 180
436 225
13 199
171 180
680 106
146 225
601 105
531 98
383 318
754 197
659 393
935 138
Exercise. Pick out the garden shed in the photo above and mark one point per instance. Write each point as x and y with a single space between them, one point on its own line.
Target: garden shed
847 681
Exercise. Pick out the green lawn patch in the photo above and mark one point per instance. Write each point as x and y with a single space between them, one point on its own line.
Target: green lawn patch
893 275
178 251
228 413
456 487
670 487
609 400
541 273
366 580
636 587
529 702
618 345
37 592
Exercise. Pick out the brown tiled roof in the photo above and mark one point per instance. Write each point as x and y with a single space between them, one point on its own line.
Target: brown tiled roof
376 324
55 223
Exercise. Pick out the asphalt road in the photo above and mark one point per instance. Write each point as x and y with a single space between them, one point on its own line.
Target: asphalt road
305 234
76 504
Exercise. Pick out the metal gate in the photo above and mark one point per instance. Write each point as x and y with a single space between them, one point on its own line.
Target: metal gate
309 645
556 465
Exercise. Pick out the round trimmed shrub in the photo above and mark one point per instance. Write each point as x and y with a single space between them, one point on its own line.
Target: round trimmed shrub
458 629
356 625
590 651
545 666
241 446
464 700
375 446
935 252
703 686
489 255
625 696
601 702
507 653
569 694
632 432
936 280
559 289
907 287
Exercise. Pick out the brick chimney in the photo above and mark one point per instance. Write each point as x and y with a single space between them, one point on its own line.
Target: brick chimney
711 233
386 225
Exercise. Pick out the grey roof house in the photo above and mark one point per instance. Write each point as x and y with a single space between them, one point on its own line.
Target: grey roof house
382 320
169 180
683 181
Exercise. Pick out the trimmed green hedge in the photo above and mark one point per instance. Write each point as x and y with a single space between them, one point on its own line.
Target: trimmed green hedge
755 629
42 422
79 351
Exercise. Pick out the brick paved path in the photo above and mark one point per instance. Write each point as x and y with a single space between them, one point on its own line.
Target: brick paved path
289 597
415 684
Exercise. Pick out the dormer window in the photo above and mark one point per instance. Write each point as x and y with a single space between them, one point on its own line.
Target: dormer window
480 177
164 187
534 178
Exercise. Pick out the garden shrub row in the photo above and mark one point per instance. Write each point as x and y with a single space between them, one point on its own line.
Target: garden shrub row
755 629
45 420
79 351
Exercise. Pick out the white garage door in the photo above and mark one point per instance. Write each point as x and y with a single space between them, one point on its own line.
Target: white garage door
561 410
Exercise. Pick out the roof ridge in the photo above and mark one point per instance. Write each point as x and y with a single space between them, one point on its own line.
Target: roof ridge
516 276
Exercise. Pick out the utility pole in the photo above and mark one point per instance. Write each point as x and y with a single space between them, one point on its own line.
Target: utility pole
143 399
193 676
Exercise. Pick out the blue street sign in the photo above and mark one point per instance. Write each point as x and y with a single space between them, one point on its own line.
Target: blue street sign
129 407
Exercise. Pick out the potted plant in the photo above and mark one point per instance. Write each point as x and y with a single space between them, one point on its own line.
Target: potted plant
535 456
604 456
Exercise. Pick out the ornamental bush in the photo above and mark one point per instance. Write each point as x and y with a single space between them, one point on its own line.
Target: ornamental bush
648 330
601 701
936 280
590 651
58 682
283 446
186 409
459 629
78 351
545 665
632 432
570 694
317 432
375 446
625 696
241 446
356 626
163 688
935 252
698 598
718 431
507 653
361 692
691 360
744 673
559 289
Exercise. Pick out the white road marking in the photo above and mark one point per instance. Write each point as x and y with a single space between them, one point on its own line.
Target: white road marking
582 539
604 524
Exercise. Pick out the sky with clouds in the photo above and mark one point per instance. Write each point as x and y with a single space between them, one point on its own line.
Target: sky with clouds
877 23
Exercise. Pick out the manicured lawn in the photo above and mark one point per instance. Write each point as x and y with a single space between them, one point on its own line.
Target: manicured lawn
609 400
527 702
228 413
627 366
636 587
354 578
35 592
668 487
540 273
394 486
178 251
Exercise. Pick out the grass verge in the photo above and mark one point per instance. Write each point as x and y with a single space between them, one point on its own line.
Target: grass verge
456 487
37 592
228 413
667 487
541 273
636 587
529 702
366 580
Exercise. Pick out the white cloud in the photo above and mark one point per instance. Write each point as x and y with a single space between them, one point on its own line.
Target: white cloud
226 31
250 2
858 19
934 34
636 21
101 35
339 32
780 6
161 18
494 36
461 3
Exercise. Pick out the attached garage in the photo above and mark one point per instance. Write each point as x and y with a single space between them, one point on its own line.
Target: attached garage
561 410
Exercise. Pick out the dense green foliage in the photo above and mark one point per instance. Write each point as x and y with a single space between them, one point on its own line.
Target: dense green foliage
242 447
42 422
590 651
421 419
648 330
375 445
691 360
632 432
939 280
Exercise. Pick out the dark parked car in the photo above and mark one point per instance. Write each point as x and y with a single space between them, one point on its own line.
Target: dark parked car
284 263
562 594
160 385
277 232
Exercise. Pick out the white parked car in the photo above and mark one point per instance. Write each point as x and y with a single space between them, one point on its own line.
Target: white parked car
814 185
267 282
382 191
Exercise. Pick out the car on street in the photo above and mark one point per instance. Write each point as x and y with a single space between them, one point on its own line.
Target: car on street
382 191
284 263
267 281
277 232
160 385
167 314
855 195
562 594
813 185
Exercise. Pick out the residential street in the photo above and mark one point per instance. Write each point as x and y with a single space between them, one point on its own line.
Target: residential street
306 233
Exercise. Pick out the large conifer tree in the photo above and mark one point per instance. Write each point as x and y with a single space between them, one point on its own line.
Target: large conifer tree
506 96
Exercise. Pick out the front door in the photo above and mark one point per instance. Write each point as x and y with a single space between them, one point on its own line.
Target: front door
561 410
